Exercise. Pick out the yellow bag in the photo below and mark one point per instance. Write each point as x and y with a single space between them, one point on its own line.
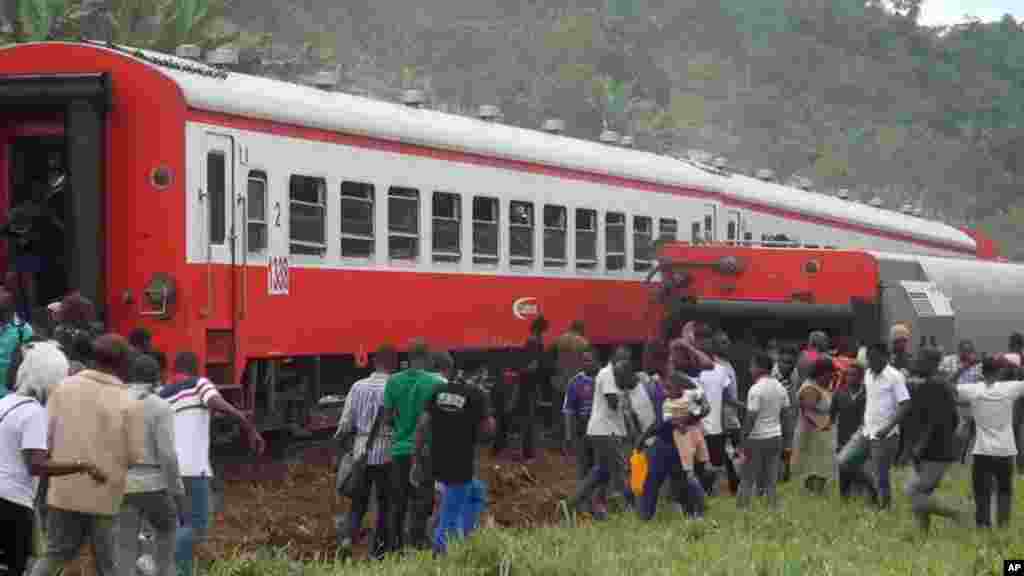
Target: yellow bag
637 472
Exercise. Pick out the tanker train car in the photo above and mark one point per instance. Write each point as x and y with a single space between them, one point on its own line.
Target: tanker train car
282 232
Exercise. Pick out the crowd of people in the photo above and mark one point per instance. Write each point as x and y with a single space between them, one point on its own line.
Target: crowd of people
97 438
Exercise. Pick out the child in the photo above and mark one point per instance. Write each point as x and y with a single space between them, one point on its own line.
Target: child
685 403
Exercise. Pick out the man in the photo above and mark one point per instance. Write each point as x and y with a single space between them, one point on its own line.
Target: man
767 401
532 377
1014 359
818 344
714 381
405 395
991 402
362 406
154 491
934 450
13 333
847 411
963 367
608 433
784 371
193 400
887 403
579 399
93 418
731 426
455 415
568 348
24 455
899 338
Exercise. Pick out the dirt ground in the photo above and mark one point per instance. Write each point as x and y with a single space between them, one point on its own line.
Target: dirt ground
294 505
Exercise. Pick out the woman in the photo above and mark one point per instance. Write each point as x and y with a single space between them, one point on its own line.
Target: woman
813 453
23 449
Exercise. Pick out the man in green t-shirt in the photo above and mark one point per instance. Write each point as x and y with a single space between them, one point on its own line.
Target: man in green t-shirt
405 395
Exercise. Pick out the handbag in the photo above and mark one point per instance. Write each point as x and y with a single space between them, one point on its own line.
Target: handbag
352 468
855 453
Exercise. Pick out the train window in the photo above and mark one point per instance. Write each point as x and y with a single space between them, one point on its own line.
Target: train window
668 229
256 212
643 243
586 238
447 227
307 207
615 240
485 230
709 223
403 223
357 240
215 173
554 236
730 232
695 236
520 233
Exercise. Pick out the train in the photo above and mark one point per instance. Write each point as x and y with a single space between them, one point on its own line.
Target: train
283 232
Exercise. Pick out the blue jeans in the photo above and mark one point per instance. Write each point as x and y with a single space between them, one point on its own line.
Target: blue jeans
455 506
663 462
883 456
475 507
193 525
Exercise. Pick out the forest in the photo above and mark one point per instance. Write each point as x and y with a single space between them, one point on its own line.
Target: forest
841 93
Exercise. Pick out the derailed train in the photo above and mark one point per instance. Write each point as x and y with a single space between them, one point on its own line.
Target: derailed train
283 232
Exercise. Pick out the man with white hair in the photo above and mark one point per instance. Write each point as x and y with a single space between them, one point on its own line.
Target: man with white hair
24 454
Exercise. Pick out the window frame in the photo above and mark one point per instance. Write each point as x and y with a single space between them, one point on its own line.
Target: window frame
625 246
323 216
342 235
643 265
446 257
416 235
212 218
479 258
563 262
675 229
523 261
255 174
589 264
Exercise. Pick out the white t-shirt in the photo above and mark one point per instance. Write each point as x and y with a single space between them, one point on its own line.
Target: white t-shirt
191 424
1013 358
883 393
642 405
713 382
23 428
767 397
603 420
992 407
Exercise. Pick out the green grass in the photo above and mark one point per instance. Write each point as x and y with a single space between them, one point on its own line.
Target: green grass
806 536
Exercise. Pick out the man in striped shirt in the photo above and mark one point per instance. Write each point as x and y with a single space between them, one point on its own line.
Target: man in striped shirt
362 405
192 399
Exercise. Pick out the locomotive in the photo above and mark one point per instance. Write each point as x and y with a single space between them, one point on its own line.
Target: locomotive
282 232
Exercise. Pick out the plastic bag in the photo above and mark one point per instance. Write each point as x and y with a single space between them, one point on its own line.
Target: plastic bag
637 472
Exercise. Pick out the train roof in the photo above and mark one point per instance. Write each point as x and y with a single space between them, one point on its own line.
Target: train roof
208 89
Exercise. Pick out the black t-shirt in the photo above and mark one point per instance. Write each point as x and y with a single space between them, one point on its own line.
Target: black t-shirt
848 410
936 419
456 411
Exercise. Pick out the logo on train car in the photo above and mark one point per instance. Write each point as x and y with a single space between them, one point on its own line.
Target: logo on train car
523 308
278 272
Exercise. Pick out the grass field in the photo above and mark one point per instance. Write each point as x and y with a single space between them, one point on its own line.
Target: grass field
806 536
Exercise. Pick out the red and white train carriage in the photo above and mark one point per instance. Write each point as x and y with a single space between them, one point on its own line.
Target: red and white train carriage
255 221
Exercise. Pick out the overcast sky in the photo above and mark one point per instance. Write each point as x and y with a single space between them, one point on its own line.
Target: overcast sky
942 12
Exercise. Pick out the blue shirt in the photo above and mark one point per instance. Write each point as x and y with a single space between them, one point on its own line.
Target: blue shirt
579 398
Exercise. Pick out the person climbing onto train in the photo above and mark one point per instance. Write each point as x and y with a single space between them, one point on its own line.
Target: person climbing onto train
153 491
193 399
363 405
405 395
94 418
608 434
887 403
455 416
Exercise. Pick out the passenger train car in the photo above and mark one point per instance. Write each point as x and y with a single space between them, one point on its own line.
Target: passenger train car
283 232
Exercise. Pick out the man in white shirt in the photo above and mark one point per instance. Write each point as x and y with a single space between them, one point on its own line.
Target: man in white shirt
715 382
608 433
991 404
887 404
767 402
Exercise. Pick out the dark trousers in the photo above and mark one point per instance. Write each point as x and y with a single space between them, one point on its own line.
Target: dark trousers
988 473
409 499
499 396
527 412
16 546
663 462
883 456
379 477
718 457
856 477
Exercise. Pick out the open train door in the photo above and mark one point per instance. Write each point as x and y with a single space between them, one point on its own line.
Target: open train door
53 135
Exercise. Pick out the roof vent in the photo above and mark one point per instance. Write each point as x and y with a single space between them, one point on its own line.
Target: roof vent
766 174
699 156
325 80
189 51
626 142
553 126
876 202
907 209
918 211
609 137
844 194
720 162
413 98
489 113
223 57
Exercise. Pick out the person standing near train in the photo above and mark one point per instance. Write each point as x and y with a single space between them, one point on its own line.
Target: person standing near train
568 351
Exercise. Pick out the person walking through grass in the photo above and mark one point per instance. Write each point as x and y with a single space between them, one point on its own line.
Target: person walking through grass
579 400
812 455
887 403
767 403
847 412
